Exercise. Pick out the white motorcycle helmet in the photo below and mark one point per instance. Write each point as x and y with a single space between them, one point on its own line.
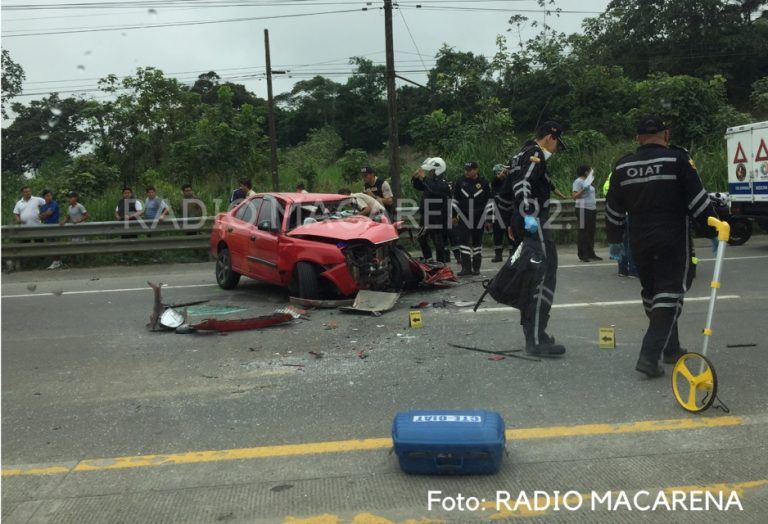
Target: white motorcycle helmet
435 164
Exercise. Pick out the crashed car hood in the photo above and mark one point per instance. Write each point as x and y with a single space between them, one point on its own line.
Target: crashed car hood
346 229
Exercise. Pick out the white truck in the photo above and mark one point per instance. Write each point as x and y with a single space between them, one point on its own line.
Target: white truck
748 176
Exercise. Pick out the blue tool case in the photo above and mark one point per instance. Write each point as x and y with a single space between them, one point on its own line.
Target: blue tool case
445 442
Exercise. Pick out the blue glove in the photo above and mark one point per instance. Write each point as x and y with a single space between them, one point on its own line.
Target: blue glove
531 224
615 251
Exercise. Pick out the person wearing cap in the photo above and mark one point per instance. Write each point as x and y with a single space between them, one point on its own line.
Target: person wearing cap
378 188
530 183
433 208
659 189
471 197
502 206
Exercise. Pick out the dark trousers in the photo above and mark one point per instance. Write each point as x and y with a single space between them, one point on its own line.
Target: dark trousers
665 275
586 243
534 316
438 237
470 245
500 237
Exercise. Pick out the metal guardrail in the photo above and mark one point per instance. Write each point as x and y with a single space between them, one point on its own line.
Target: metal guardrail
173 234
122 237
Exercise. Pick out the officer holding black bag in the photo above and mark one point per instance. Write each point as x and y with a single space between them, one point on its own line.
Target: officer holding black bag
659 187
530 185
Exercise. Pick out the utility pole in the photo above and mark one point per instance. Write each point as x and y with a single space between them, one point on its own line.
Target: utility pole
271 117
394 139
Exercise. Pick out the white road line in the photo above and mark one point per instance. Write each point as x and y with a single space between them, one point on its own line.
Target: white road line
598 304
93 291
613 264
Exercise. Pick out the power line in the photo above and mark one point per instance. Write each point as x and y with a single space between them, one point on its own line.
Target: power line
178 24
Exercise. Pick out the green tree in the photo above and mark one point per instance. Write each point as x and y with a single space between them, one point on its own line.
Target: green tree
225 142
759 97
50 127
698 110
12 78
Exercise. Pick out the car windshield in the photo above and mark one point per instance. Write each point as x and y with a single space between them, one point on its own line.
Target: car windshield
310 212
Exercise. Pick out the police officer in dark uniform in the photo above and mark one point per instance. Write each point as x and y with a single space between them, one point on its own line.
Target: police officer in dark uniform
659 187
434 207
502 207
530 183
471 197
379 189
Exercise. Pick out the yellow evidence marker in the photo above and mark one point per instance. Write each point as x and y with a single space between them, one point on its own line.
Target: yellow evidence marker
414 319
607 338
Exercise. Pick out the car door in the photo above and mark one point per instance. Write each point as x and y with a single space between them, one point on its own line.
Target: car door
240 233
269 227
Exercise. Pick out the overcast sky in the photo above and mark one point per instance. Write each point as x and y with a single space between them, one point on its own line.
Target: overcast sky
306 45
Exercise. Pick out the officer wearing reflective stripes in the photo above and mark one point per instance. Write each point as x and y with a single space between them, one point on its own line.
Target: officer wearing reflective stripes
471 209
530 184
502 207
659 188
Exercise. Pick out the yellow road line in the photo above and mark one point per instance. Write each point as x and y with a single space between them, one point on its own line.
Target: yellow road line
343 446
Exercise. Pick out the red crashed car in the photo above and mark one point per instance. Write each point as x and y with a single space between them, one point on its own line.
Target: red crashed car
313 244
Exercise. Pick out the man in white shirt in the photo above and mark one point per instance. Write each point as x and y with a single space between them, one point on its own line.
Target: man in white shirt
586 212
368 205
27 210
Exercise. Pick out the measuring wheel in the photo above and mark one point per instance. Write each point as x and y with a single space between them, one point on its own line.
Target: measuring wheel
694 382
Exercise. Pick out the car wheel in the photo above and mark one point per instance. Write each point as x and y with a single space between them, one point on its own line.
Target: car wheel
225 276
307 280
741 230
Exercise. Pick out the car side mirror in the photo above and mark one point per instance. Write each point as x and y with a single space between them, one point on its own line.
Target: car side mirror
265 225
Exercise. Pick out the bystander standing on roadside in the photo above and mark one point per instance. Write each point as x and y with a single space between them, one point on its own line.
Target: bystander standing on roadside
301 188
49 214
128 209
76 214
155 208
586 212
191 206
27 210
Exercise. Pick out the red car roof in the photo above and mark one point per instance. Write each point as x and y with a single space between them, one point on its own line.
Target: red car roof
306 198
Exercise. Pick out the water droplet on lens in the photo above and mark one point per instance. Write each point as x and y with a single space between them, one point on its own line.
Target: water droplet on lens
87 52
81 68
152 12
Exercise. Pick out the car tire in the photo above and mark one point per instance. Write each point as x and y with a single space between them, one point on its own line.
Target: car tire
226 277
307 280
741 230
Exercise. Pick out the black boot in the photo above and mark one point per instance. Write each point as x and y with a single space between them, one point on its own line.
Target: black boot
650 368
477 260
466 265
545 348
498 251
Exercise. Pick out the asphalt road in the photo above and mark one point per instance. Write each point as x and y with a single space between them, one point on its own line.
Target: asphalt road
103 421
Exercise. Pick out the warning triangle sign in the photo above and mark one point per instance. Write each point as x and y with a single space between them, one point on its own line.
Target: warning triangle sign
740 156
762 151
